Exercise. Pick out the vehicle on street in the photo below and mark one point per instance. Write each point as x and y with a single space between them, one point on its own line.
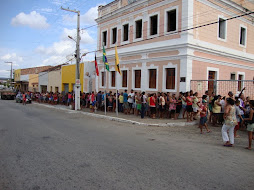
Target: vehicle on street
7 94
19 99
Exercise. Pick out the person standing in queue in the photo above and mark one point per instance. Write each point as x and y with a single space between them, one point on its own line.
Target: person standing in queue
143 106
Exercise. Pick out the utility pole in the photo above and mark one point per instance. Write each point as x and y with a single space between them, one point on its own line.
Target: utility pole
77 85
11 71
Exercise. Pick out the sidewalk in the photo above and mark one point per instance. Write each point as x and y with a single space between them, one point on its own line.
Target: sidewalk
132 119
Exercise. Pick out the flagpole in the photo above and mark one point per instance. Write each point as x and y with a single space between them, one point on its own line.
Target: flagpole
117 68
105 107
116 96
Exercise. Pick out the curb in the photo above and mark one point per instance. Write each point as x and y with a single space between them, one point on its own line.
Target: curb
110 118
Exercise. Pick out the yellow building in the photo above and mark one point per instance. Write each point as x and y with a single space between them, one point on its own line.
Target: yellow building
69 77
17 84
33 82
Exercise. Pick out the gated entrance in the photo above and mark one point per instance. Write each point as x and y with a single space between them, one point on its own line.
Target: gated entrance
222 87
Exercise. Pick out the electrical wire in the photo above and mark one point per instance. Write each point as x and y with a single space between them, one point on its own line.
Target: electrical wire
178 31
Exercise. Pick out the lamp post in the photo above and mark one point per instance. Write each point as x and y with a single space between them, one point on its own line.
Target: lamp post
77 85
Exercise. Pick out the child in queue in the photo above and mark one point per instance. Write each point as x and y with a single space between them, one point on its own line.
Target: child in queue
203 117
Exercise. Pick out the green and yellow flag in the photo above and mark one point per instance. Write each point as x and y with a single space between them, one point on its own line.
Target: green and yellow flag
117 61
105 59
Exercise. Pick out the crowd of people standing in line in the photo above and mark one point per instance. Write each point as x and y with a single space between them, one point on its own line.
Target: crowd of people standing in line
233 112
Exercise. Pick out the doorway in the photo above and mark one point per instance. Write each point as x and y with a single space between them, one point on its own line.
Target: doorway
211 82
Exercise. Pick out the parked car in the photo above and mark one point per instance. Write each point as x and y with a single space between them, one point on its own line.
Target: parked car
19 99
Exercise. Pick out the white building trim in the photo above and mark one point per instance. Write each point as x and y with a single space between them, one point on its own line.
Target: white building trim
148 76
121 79
166 19
134 29
217 74
168 66
122 33
111 36
105 80
101 45
110 78
245 42
133 77
243 74
218 26
149 25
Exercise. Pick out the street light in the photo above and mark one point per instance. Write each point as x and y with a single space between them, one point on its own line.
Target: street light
72 38
77 85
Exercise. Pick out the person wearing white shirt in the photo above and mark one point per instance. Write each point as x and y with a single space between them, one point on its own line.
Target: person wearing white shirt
143 106
131 100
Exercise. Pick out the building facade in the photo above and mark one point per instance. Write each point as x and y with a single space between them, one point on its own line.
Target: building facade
68 76
55 81
164 44
28 79
89 76
43 81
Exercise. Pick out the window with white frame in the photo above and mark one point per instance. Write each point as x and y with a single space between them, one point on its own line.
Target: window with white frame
171 20
137 80
152 78
170 78
222 28
240 82
243 36
114 35
232 76
154 25
113 79
124 78
104 38
138 25
103 79
125 32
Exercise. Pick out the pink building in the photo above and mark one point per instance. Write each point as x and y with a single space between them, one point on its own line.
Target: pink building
159 50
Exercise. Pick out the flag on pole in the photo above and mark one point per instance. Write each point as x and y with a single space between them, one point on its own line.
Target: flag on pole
117 61
105 59
96 66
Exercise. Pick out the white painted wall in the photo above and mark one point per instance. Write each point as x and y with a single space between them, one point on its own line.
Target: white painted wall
24 78
43 79
89 76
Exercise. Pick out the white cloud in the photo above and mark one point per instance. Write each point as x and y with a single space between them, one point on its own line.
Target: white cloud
58 48
48 10
52 60
4 73
65 46
60 2
64 49
13 57
85 37
33 20
86 19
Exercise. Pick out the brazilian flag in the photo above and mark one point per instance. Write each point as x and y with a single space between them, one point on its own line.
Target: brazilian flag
105 59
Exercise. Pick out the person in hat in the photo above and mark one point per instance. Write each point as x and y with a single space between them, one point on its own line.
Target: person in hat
203 117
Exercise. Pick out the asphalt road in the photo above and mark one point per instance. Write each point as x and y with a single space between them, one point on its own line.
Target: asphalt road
43 148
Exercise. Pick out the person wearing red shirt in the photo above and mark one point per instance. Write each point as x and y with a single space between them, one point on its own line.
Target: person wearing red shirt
152 105
189 107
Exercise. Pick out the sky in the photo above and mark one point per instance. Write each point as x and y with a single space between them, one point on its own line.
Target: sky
35 32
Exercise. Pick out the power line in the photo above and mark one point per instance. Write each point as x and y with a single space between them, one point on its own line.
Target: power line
179 31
